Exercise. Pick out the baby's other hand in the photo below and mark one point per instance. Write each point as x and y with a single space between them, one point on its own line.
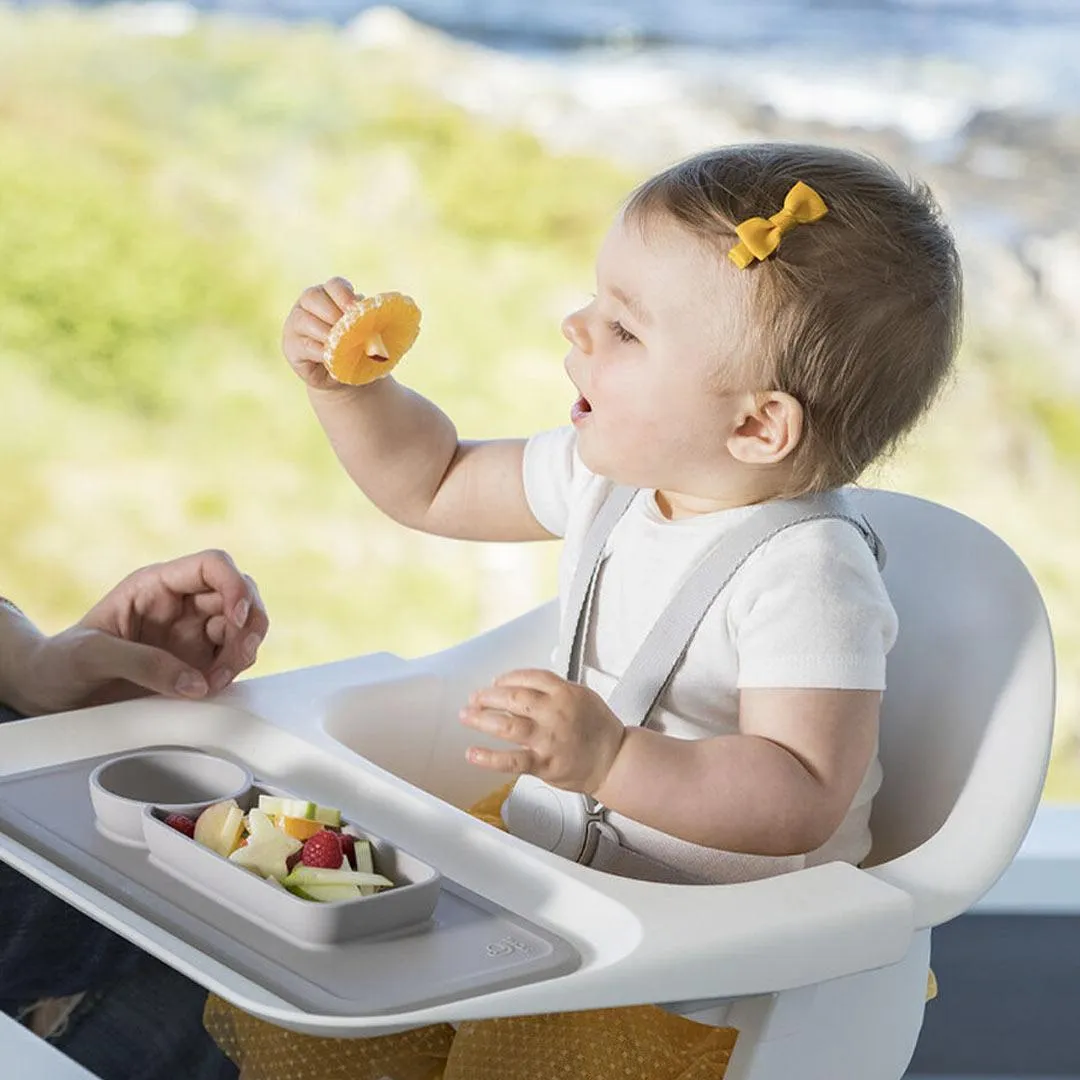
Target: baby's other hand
308 325
565 732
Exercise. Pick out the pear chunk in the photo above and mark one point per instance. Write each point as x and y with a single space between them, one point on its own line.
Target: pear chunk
267 849
219 826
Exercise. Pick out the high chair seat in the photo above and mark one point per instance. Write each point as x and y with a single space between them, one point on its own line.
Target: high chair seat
823 971
965 741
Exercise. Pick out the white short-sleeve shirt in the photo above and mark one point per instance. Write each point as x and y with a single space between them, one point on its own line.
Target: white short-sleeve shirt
807 609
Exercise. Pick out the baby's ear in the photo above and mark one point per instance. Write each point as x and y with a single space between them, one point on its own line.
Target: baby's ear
768 429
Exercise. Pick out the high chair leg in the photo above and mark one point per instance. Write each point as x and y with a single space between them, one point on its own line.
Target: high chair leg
861 1027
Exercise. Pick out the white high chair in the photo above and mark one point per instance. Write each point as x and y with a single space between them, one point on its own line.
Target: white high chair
965 741
823 971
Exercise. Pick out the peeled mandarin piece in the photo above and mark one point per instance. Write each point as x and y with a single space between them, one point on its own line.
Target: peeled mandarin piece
300 828
371 337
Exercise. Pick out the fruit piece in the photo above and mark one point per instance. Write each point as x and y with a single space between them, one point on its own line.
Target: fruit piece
310 875
274 806
371 337
364 863
300 828
323 850
218 827
327 894
181 823
348 850
328 815
267 849
362 852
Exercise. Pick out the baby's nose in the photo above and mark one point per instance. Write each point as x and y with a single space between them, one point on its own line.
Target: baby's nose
574 330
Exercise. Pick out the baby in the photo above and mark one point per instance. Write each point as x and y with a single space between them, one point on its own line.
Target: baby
768 321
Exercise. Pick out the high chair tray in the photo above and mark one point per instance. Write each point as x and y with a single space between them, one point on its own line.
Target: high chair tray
468 945
377 737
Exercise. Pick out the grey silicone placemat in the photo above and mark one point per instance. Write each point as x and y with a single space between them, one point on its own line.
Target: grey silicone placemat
470 946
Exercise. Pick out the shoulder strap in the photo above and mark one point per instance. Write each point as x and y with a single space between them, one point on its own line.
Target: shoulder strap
576 610
654 664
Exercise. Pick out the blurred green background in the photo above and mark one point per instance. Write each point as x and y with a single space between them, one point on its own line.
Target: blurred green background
163 200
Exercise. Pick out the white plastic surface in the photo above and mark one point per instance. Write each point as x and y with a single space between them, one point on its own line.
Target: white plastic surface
26 1057
968 715
637 940
965 743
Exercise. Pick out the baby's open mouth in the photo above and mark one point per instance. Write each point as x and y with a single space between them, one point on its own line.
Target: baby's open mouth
580 409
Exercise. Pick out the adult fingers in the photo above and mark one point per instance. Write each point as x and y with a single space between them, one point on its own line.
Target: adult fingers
210 571
103 658
211 604
239 647
217 629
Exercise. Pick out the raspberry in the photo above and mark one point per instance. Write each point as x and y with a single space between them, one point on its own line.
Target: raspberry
348 849
323 850
181 823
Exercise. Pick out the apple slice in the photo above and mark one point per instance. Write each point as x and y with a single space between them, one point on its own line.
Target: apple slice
364 863
328 815
267 849
219 826
316 875
277 806
327 894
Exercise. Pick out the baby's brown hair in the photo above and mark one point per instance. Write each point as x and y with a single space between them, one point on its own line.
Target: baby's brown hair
857 316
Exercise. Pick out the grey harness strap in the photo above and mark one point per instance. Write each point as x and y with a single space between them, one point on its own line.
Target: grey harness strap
575 825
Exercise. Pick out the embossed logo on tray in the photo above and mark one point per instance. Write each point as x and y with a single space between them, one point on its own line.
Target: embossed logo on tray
507 946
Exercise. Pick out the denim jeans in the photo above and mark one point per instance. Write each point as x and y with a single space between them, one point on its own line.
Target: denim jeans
140 1020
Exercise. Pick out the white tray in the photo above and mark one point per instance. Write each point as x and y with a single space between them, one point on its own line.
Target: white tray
320 731
468 945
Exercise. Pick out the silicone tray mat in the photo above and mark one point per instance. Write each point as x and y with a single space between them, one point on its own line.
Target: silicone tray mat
470 945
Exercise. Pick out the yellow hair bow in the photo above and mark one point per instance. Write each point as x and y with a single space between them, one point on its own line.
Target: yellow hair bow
760 237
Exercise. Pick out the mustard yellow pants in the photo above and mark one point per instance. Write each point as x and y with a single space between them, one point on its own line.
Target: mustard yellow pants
621 1044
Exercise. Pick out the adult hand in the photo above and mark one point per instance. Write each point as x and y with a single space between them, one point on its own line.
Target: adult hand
307 327
565 732
182 628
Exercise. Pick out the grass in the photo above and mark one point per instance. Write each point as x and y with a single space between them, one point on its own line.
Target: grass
162 203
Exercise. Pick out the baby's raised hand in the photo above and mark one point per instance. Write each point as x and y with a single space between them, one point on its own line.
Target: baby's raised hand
307 327
565 732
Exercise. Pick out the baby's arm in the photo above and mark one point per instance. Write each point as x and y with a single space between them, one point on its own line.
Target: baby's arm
400 449
781 786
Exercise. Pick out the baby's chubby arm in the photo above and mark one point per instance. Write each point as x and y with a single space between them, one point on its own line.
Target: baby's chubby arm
400 449
779 787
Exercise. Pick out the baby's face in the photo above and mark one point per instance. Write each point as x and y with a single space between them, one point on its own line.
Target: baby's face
656 358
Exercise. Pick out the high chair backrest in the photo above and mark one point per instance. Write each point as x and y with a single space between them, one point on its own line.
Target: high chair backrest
968 714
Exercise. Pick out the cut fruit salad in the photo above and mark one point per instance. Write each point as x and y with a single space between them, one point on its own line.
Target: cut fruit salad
298 844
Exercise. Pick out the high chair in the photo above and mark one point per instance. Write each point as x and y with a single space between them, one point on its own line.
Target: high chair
823 971
965 740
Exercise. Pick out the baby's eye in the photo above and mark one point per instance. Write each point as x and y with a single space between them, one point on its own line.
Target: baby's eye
621 332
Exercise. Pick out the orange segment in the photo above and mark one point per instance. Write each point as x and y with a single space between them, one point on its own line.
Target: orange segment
298 828
371 337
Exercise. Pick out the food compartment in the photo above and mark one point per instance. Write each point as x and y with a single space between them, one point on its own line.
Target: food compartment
177 778
318 920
